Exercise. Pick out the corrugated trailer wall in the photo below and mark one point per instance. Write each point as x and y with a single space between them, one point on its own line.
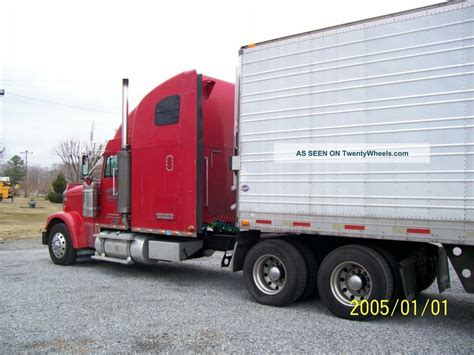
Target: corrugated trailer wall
397 79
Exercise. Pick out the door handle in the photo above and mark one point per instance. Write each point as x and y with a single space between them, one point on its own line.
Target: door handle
207 181
113 181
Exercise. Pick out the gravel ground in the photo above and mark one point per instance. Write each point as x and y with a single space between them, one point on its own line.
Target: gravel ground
193 306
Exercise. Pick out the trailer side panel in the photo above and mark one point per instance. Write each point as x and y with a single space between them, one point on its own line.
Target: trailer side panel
407 78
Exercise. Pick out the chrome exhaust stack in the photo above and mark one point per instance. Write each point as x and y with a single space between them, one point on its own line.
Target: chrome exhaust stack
123 157
124 112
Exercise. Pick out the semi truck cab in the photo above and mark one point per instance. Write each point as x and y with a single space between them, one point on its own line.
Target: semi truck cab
173 159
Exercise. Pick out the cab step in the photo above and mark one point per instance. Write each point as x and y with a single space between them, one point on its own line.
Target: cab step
127 261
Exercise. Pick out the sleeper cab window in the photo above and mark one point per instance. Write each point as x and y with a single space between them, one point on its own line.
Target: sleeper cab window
110 166
167 111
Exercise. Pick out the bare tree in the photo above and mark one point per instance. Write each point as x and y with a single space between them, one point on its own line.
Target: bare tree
94 150
39 178
70 152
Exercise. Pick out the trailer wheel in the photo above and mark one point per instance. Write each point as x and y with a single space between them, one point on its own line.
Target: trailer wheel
397 278
312 266
60 245
353 272
275 273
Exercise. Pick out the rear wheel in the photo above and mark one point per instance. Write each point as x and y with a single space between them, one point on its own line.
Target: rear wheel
60 246
311 268
397 279
275 273
353 272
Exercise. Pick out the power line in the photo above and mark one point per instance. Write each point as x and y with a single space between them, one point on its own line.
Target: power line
31 86
65 105
57 84
40 80
58 80
2 150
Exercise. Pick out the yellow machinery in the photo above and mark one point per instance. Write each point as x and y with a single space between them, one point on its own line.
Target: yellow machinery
5 188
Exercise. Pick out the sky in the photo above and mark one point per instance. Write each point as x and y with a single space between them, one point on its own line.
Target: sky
62 62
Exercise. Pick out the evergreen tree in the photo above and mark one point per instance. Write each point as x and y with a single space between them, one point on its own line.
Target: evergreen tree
15 170
58 186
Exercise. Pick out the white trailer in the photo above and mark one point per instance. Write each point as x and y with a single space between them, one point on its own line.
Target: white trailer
377 229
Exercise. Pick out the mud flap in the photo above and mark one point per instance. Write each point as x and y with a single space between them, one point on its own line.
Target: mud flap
408 275
245 241
442 271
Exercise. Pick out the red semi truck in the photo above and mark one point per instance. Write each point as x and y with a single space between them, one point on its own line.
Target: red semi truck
192 168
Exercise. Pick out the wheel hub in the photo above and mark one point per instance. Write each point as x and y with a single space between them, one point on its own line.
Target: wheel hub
58 245
355 282
274 273
269 274
350 281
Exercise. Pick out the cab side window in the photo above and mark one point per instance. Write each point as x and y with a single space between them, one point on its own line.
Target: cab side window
110 165
167 111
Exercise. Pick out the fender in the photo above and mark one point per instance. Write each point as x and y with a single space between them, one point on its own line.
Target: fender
75 225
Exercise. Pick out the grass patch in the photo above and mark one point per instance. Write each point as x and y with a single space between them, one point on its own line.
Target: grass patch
18 221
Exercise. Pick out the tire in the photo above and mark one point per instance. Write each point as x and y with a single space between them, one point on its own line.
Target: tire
60 246
285 263
373 279
398 292
312 266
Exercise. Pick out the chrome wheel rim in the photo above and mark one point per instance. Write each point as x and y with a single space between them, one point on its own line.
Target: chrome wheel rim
350 281
269 274
58 245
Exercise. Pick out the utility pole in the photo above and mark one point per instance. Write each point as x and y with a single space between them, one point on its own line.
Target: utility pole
26 152
2 93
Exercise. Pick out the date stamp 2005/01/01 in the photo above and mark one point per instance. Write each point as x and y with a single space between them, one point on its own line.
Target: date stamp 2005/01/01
433 307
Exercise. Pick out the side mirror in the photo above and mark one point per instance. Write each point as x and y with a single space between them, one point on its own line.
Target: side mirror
85 166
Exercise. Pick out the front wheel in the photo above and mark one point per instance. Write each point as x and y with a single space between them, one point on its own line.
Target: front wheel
275 273
60 246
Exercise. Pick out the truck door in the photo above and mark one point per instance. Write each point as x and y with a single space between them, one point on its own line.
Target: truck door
108 216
